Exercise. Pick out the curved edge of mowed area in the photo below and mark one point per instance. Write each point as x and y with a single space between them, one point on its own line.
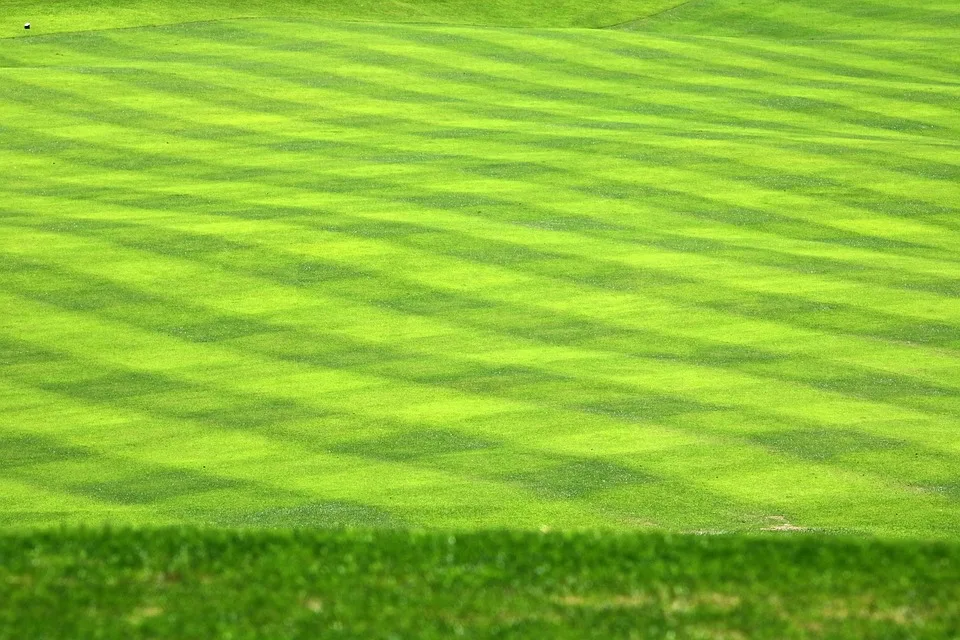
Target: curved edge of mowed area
91 15
206 583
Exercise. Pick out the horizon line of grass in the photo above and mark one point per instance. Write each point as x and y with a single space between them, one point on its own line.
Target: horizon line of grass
75 16
804 19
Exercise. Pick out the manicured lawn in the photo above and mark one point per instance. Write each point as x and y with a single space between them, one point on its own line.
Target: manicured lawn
391 319
296 271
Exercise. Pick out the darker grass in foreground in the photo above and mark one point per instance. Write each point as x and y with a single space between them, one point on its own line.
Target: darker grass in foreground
189 583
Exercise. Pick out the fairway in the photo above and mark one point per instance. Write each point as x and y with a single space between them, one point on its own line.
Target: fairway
294 265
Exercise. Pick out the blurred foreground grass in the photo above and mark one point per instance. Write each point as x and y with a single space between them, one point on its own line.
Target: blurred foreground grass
194 583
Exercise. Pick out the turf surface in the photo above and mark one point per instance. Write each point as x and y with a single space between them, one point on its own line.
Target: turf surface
294 271
203 584
85 15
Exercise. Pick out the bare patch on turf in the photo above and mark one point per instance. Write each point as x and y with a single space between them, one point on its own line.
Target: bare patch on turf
144 613
313 604
604 602
865 608
780 523
668 602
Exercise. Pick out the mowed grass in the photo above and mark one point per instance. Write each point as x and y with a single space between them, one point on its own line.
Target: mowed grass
185 583
86 15
303 272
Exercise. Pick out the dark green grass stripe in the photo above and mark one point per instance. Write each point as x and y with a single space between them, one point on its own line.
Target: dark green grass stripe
884 10
191 329
523 59
519 257
212 169
352 350
858 70
16 351
775 20
869 158
936 58
921 468
114 302
656 50
813 59
528 215
934 95
32 141
263 261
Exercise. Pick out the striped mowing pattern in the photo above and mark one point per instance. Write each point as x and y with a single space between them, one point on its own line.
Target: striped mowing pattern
268 272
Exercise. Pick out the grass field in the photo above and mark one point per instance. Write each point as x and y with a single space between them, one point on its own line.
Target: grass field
277 272
698 273
416 284
188 584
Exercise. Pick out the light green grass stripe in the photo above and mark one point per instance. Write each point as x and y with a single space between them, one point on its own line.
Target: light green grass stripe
813 19
224 449
79 15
